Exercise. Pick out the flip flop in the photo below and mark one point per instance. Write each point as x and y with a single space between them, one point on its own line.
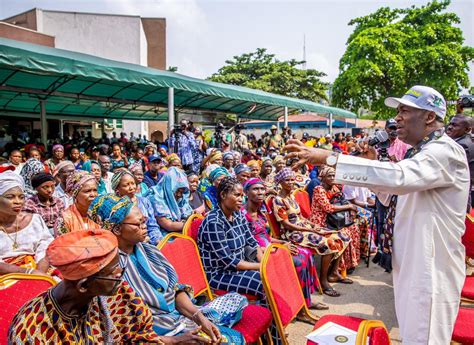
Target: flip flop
305 319
345 281
319 306
331 292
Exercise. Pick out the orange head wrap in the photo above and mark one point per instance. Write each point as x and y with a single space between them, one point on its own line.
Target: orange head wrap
80 254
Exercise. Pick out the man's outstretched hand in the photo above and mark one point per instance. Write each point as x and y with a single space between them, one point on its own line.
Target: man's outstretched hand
306 154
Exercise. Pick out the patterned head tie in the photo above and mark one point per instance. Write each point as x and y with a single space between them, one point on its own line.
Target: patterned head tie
283 174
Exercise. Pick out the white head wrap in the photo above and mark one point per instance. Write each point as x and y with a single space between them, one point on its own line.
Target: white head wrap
9 180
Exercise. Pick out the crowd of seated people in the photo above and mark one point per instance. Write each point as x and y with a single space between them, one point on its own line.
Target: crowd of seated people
123 201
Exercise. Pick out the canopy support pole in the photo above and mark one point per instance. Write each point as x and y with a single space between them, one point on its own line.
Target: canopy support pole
170 110
330 124
61 129
43 123
285 121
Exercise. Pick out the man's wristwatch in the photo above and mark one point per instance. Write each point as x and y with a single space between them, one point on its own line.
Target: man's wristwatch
332 159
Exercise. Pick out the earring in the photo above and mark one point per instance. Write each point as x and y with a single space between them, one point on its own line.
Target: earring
82 290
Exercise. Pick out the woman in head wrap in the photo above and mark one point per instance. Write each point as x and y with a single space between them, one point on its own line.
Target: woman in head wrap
44 202
302 232
31 167
137 171
24 236
214 157
254 211
123 184
266 174
229 162
210 195
174 161
254 166
242 172
150 274
321 207
58 157
91 305
93 167
82 186
170 200
279 163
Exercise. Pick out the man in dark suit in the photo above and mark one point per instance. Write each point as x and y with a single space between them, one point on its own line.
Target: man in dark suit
459 129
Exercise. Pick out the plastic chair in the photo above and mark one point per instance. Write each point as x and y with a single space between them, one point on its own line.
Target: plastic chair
282 287
191 227
464 327
468 238
302 198
182 252
364 328
275 229
27 287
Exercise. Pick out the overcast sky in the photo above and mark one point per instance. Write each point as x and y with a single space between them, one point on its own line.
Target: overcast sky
202 34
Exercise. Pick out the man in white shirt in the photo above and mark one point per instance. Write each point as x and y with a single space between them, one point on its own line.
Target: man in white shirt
432 185
105 164
61 172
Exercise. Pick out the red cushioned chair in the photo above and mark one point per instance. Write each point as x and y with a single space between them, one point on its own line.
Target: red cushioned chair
302 198
282 287
191 227
468 238
275 229
464 327
26 287
365 328
467 293
182 252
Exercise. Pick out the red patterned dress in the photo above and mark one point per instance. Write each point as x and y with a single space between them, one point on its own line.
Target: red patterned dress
122 318
320 208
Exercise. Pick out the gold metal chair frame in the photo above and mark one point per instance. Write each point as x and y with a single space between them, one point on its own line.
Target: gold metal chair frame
271 298
207 290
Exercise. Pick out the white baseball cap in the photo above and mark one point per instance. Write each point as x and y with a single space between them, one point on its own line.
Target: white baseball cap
420 97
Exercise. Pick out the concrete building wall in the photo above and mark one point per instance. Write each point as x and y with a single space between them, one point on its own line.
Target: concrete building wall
155 31
107 36
18 33
26 19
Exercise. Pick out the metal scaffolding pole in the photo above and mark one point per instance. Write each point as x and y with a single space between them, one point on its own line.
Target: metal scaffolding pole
43 123
285 121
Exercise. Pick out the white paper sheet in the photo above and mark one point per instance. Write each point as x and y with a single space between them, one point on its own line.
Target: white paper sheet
333 334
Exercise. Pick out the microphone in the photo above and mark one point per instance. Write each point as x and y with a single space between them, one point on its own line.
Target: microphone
380 137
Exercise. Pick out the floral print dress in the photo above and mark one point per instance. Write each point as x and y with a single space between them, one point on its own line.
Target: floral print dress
320 208
323 241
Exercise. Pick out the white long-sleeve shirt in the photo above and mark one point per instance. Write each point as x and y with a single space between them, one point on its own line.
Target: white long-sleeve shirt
428 256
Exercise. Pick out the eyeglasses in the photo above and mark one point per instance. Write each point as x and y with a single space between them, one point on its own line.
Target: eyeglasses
142 224
113 273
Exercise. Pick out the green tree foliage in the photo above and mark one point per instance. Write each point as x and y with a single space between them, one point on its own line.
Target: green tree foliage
393 49
262 71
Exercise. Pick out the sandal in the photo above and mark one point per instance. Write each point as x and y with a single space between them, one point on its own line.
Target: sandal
319 306
305 319
341 280
331 292
345 281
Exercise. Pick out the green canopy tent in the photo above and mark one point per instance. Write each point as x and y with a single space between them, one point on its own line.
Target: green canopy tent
42 80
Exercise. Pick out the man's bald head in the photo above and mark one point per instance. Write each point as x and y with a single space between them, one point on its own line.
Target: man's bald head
459 126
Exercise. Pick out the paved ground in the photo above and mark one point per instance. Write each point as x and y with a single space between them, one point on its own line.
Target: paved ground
370 297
